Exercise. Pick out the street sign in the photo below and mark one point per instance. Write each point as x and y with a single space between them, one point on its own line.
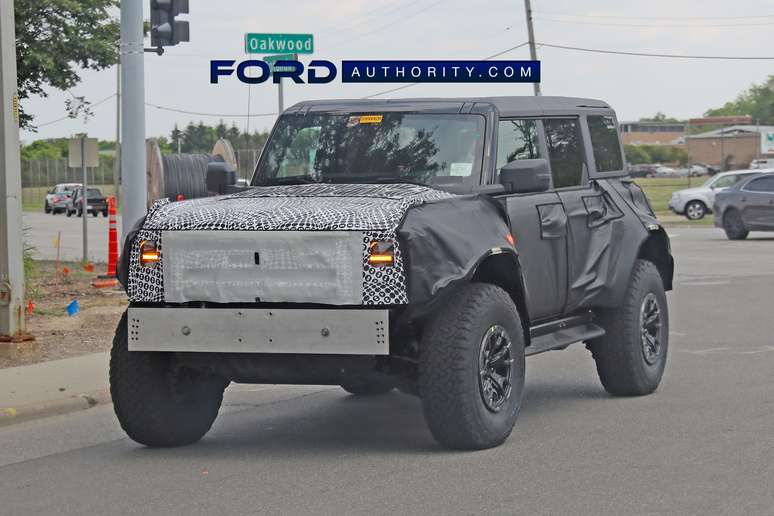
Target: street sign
91 150
271 60
256 43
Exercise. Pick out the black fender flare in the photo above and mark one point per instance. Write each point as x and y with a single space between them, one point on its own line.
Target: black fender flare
501 267
657 249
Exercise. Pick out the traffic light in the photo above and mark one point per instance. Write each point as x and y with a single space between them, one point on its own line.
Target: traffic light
165 30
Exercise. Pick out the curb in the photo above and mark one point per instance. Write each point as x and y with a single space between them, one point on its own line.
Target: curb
12 415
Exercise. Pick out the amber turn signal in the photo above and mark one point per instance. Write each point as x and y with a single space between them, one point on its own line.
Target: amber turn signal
381 254
149 253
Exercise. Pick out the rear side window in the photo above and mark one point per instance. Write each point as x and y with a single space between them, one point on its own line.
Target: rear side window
516 139
604 143
565 151
762 184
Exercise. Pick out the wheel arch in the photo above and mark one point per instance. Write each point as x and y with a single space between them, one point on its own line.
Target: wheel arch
501 267
656 249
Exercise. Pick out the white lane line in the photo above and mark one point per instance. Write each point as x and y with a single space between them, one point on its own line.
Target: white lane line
701 283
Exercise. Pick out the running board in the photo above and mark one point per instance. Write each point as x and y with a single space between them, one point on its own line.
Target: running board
563 332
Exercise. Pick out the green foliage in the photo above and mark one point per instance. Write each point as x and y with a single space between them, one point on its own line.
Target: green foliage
56 37
641 154
54 148
757 101
660 117
200 138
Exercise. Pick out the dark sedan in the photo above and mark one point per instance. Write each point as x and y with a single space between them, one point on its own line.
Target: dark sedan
97 203
746 206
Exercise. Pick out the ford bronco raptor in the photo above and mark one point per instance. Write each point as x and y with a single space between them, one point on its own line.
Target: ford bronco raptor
427 245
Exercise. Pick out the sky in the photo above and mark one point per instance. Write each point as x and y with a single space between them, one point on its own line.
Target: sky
445 29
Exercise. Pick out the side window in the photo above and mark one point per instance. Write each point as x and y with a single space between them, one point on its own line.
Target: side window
762 184
516 139
565 151
605 144
726 181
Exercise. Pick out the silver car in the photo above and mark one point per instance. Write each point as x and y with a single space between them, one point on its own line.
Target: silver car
58 197
696 202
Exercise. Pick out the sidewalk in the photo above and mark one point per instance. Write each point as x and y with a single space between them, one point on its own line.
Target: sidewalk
56 387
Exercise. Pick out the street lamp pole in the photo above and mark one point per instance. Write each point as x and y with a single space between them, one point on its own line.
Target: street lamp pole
134 190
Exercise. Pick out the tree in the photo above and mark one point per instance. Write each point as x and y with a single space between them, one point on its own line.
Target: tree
660 117
54 38
757 101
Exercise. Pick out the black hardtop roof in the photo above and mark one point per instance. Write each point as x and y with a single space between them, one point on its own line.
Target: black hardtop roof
508 106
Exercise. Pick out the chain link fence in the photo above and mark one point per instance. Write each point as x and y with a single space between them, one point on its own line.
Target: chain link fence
40 176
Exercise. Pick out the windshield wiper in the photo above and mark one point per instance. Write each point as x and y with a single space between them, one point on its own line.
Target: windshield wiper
382 180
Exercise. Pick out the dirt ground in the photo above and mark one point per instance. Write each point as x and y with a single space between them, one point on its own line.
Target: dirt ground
58 334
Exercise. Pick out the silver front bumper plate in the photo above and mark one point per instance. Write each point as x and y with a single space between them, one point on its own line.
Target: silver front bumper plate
259 330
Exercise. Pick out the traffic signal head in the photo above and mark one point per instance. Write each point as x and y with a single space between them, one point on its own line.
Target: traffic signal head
165 30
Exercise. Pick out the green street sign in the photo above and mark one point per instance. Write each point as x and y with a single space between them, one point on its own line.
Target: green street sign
271 61
273 43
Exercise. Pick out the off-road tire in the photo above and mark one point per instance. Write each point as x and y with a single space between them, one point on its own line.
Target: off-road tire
619 354
733 225
367 387
154 406
449 370
695 210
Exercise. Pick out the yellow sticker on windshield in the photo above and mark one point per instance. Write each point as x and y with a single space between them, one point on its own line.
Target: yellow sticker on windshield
371 119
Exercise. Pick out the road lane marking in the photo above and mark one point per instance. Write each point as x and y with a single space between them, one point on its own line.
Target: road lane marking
725 350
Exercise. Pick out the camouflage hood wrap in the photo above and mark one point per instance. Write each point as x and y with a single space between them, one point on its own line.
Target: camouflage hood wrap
377 210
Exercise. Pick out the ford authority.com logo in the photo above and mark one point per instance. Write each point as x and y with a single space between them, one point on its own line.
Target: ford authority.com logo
320 71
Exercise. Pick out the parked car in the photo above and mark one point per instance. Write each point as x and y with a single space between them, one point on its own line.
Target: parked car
58 197
696 202
97 203
642 170
762 163
664 171
746 206
370 266
702 169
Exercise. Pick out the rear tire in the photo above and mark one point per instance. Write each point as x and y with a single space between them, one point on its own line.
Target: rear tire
69 213
734 225
471 368
47 207
157 404
631 356
94 213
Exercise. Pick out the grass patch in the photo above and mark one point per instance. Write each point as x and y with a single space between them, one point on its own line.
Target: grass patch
659 189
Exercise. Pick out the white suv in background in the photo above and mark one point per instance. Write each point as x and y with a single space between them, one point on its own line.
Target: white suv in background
696 202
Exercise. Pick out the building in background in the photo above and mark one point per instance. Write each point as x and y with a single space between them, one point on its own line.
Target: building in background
731 147
653 133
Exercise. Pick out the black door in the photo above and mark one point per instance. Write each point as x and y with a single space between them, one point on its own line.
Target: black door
538 221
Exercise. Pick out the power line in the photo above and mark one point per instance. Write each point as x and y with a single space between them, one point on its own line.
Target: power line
652 25
647 54
679 18
498 54
50 122
199 113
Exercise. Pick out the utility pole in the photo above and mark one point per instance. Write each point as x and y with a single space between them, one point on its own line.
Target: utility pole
85 200
12 324
117 154
531 35
281 99
134 191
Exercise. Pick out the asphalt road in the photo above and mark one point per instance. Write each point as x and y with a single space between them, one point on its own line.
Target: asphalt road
702 444
41 231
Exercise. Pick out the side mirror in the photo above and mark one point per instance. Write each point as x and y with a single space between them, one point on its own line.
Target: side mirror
526 176
220 176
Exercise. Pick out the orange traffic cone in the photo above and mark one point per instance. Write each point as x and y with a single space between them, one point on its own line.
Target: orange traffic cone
109 280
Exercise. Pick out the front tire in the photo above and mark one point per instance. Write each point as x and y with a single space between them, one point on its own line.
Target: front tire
631 356
471 368
733 225
695 210
157 404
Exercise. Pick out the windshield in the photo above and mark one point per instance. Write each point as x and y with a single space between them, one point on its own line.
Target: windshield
433 149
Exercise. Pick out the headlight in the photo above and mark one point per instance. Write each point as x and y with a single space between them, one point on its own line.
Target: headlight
381 253
149 253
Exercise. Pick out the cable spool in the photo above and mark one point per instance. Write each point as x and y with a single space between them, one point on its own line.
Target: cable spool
173 175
